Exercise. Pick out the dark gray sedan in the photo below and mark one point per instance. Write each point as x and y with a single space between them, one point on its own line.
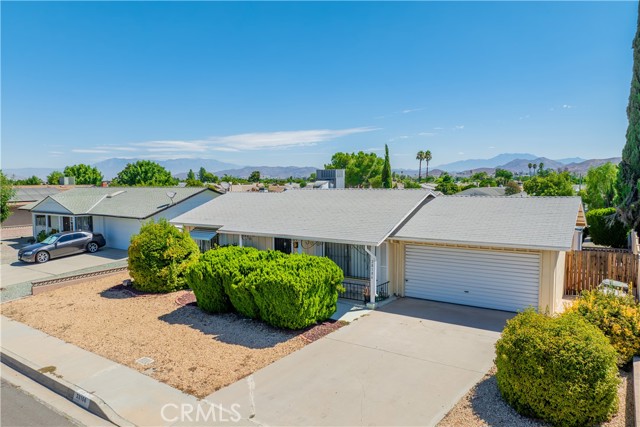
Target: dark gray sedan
62 244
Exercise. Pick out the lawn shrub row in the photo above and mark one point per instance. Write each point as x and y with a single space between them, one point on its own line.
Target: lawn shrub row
287 291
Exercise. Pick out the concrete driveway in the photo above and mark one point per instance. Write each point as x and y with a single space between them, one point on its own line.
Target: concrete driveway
14 271
405 364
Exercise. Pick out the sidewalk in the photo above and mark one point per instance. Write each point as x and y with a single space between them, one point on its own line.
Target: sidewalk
136 398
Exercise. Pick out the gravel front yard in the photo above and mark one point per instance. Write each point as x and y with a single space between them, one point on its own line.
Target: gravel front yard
483 406
195 352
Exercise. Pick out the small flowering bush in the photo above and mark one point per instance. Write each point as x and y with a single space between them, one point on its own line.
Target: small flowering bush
617 316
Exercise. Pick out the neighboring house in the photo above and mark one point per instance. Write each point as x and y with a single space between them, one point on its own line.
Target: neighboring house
493 252
25 195
489 192
116 212
349 226
483 191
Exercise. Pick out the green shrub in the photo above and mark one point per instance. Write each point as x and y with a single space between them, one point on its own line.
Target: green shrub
603 231
205 278
288 291
237 287
296 291
559 369
617 316
159 257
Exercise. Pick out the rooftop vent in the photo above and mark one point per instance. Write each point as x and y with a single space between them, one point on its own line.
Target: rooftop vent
114 194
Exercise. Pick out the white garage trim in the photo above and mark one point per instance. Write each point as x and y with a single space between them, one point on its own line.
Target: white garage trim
491 279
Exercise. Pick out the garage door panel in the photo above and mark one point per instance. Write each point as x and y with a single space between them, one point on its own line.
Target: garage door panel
459 276
491 279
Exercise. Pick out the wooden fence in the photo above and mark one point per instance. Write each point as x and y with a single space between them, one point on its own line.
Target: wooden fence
586 269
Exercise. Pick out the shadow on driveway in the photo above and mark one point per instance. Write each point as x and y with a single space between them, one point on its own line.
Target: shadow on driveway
471 317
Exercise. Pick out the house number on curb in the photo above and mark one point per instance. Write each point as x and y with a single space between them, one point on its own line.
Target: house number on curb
82 398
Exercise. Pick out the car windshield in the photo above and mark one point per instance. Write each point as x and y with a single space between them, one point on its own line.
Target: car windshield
50 240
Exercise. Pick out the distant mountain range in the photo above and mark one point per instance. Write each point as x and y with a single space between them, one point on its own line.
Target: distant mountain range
178 168
514 162
506 161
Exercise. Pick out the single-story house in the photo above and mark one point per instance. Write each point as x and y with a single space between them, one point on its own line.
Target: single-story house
24 195
492 252
350 227
116 212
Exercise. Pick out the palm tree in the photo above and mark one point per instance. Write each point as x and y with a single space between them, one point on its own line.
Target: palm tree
540 167
530 166
427 158
534 168
420 157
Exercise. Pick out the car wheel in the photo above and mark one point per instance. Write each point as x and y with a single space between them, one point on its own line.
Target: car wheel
92 247
42 257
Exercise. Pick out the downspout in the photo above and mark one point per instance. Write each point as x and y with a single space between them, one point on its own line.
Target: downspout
373 267
240 240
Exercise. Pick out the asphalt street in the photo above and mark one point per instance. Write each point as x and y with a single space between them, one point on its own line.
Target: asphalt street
20 409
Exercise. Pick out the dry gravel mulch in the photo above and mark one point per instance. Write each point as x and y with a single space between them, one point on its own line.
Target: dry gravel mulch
193 351
483 406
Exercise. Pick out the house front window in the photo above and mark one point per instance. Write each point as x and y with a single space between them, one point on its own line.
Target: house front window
84 223
352 259
205 239
41 221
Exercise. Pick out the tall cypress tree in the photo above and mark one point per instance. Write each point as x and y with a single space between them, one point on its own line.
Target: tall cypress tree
386 169
629 172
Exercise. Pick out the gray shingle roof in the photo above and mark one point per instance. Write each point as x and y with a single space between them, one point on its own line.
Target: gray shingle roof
483 191
32 194
126 202
518 222
350 216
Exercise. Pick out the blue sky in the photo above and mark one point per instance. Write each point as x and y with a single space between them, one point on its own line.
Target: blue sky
292 83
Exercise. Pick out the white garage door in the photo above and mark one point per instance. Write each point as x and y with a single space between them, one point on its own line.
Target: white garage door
491 279
118 231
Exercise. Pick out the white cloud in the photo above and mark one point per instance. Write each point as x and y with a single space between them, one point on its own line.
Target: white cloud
374 149
567 106
491 147
56 153
460 153
253 141
411 110
114 148
438 128
89 151
524 117
427 134
459 127
398 138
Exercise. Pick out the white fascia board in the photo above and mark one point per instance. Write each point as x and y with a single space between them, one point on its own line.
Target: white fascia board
294 237
483 244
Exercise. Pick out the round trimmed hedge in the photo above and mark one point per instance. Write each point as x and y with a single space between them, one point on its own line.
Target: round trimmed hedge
559 369
159 256
284 290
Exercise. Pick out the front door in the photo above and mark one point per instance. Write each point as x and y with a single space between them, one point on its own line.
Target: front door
66 223
282 245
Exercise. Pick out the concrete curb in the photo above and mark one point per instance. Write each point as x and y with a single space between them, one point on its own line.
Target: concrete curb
64 388
636 389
